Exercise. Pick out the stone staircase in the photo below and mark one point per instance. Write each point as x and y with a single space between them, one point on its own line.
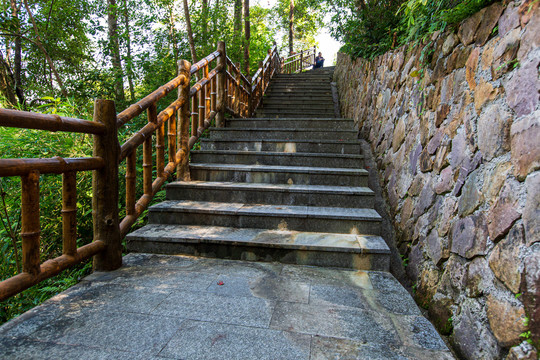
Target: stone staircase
286 186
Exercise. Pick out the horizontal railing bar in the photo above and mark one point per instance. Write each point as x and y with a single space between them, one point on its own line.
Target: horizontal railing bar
242 76
56 165
143 104
198 66
51 122
49 268
147 130
199 84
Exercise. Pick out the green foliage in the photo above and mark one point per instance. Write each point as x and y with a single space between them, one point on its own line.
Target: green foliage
372 28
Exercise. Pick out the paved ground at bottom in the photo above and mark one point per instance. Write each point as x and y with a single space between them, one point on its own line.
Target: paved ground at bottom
177 307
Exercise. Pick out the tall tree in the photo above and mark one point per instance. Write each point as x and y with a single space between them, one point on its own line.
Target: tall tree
129 58
247 32
291 27
204 18
42 48
17 76
7 85
114 48
190 33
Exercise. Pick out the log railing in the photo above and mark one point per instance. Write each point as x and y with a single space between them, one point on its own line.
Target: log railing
220 88
298 62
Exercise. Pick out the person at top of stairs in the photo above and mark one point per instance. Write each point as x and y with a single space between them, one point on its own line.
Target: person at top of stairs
319 61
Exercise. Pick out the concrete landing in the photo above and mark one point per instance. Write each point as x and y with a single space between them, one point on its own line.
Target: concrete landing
172 307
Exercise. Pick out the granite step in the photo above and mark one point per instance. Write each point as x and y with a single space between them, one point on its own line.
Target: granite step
271 174
313 123
360 252
273 217
273 194
277 158
281 133
276 145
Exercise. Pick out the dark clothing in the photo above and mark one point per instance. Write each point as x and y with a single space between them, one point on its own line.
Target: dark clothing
319 62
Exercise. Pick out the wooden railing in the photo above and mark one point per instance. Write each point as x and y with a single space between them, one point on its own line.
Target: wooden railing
298 62
220 88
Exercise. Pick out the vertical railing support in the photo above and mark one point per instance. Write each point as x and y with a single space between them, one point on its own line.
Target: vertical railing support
221 94
237 83
105 189
30 227
69 213
182 171
301 60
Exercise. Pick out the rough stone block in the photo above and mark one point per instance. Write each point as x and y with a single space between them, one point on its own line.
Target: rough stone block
531 211
494 132
525 137
505 211
468 28
469 236
505 259
506 317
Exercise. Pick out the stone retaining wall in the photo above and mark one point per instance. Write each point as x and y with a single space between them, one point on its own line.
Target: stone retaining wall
455 126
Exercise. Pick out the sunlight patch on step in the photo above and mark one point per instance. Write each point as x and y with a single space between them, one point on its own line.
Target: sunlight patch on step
354 231
282 225
290 147
361 278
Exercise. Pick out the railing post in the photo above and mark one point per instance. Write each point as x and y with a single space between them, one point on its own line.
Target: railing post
314 54
221 62
301 60
182 171
105 189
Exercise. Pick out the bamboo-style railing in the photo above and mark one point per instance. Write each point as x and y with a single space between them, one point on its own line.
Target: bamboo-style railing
298 62
220 88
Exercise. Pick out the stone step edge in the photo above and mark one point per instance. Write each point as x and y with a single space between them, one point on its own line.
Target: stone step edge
242 209
292 119
269 153
299 189
279 168
167 233
306 141
282 129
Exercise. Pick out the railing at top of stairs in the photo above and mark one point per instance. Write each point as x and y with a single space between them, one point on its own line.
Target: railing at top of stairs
298 62
221 88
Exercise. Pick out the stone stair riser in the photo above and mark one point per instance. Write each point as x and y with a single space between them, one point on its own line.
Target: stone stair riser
340 226
251 252
274 146
270 197
277 177
281 134
299 124
284 160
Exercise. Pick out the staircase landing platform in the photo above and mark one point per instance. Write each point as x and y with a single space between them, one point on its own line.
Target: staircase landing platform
178 307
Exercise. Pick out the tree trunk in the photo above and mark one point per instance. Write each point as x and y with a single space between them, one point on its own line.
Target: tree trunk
18 50
42 48
114 48
7 82
172 36
129 61
291 27
237 39
190 33
247 32
204 24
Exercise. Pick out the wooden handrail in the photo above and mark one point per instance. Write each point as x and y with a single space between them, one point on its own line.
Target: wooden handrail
299 62
221 87
50 122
